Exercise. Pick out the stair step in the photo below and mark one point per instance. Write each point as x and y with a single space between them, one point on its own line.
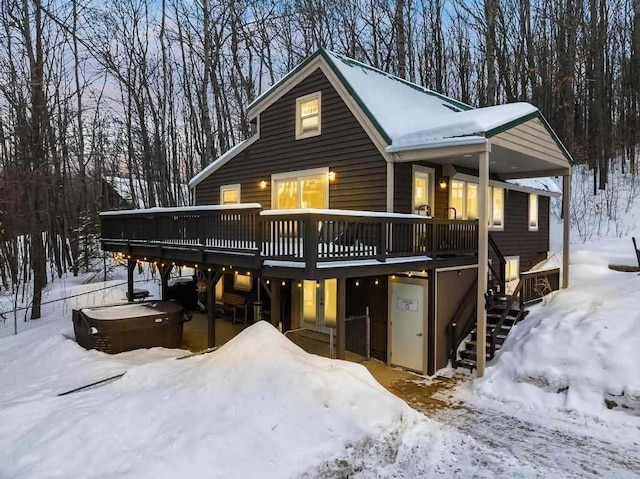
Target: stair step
468 354
466 363
472 342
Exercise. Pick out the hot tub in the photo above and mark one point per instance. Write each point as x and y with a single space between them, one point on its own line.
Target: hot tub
124 327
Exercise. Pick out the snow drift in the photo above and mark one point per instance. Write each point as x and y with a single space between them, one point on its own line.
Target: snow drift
259 406
580 351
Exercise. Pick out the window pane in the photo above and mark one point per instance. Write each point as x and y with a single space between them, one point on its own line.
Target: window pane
330 302
309 124
242 282
420 191
230 197
457 194
313 192
309 107
309 311
498 207
472 201
287 191
533 211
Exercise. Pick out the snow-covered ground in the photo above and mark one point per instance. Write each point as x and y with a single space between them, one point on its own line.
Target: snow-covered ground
257 407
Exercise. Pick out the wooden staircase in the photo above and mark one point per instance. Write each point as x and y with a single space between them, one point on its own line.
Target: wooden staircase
503 315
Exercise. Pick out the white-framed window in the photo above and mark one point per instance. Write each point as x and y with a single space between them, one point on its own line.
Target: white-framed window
533 212
242 282
496 208
300 189
463 203
308 115
423 186
512 268
230 194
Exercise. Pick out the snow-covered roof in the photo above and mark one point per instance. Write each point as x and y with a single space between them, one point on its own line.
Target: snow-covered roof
549 185
221 160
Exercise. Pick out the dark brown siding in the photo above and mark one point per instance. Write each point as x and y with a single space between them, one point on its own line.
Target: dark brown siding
367 293
343 146
516 239
451 288
403 189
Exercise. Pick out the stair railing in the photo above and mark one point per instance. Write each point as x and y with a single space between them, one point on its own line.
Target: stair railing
503 265
455 336
496 329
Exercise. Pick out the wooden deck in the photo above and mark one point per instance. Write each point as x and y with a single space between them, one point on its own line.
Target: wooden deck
295 244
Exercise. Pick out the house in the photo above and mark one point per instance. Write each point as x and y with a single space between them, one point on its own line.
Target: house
361 191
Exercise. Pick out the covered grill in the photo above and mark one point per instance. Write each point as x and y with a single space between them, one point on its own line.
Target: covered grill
124 327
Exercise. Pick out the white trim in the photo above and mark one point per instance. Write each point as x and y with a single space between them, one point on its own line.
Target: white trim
300 135
537 203
234 187
299 174
390 186
456 268
431 172
440 143
223 159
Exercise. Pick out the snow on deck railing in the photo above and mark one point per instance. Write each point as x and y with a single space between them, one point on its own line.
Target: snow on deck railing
183 209
309 235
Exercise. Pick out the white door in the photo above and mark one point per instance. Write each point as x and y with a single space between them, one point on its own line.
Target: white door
406 312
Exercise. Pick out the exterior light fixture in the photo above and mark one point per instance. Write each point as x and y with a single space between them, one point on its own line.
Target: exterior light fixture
377 282
268 282
209 269
332 176
299 285
224 269
195 266
443 182
248 273
263 184
284 283
357 283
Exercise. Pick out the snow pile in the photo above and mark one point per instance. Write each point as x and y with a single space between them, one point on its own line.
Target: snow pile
579 351
258 406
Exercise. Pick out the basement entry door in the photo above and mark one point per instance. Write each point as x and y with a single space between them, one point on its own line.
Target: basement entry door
407 307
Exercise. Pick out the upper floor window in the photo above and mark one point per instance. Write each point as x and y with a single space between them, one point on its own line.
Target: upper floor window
230 194
463 203
308 109
533 212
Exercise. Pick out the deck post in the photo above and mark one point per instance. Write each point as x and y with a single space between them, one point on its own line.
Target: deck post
275 303
483 260
165 272
566 228
211 279
131 266
342 314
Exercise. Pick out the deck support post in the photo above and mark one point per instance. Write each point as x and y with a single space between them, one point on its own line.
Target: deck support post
483 260
275 303
165 272
566 228
342 314
211 279
131 266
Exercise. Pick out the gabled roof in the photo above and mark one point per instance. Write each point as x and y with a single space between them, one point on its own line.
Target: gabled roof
409 116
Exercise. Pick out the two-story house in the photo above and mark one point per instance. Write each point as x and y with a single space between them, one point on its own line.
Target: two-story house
361 191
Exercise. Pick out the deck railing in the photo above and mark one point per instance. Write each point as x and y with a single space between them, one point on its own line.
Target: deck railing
310 236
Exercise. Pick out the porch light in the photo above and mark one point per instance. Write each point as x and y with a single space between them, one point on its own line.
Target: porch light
248 273
145 259
224 269
317 284
443 182
236 272
209 270
284 283
357 283
299 285
268 282
263 184
332 176
377 282
195 266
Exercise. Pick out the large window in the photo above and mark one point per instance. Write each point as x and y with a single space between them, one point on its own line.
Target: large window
533 212
242 282
230 194
308 116
301 189
463 203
